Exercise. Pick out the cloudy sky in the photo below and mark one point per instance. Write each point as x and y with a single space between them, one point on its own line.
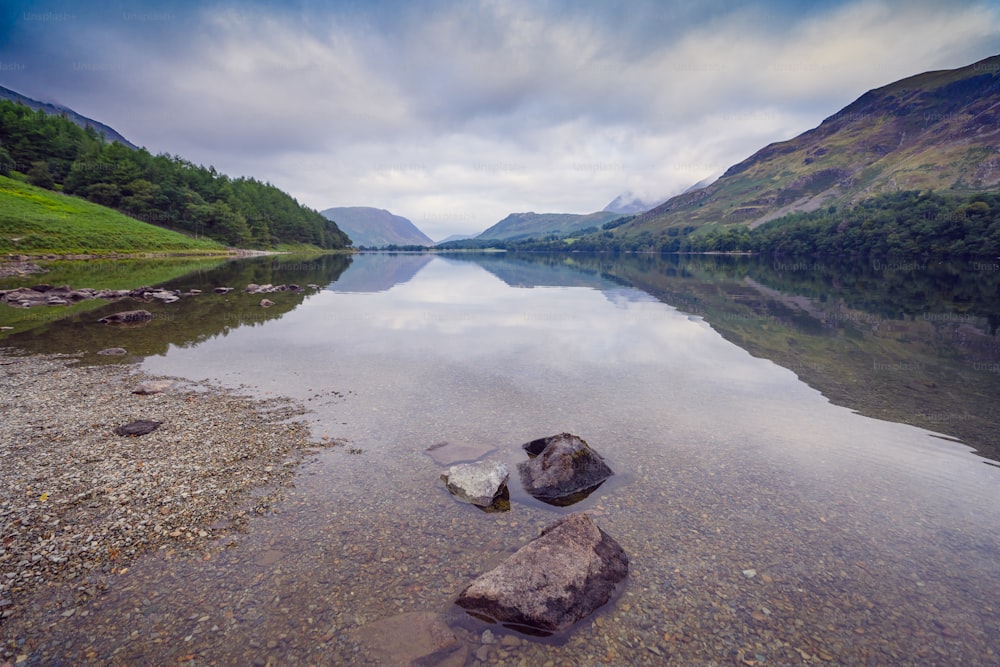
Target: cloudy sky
455 114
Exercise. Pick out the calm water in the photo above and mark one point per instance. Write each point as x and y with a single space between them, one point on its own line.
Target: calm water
768 513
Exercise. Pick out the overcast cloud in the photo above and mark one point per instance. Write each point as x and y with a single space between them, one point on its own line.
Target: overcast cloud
455 114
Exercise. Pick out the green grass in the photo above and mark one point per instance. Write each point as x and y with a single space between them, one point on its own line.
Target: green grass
35 221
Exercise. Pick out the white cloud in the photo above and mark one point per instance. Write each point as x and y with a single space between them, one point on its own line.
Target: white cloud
458 115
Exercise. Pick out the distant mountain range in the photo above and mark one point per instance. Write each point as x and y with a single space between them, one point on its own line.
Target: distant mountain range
109 133
518 226
375 227
935 131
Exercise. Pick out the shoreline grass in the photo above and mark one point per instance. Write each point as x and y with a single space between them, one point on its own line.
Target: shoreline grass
38 222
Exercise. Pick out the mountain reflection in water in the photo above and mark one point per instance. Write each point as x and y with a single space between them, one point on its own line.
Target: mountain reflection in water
793 448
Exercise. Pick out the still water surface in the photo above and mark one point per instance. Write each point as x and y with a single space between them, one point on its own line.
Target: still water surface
765 524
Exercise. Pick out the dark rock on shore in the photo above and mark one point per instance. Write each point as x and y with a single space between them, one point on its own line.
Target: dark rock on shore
563 469
560 577
138 427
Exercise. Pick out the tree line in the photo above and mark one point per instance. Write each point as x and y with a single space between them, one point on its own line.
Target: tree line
52 152
898 224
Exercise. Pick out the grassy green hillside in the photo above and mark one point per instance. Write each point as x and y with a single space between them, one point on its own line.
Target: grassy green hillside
36 221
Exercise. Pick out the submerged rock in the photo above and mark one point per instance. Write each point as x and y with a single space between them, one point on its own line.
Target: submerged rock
266 303
549 584
450 453
563 470
127 317
477 483
112 351
412 638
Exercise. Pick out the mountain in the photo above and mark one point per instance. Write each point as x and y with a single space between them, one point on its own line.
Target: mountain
375 227
628 203
518 226
109 133
939 130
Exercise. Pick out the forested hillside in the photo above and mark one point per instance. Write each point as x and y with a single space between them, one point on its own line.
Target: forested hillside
51 152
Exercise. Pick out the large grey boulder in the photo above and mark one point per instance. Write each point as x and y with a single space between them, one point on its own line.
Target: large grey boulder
552 582
477 483
563 470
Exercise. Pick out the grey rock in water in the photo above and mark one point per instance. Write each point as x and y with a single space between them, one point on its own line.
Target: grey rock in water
222 290
477 483
266 303
112 351
563 575
563 469
138 427
127 317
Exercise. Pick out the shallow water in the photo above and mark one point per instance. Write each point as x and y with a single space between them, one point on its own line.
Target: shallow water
764 523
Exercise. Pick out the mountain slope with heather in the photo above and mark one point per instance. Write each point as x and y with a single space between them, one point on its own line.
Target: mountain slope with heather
935 131
517 226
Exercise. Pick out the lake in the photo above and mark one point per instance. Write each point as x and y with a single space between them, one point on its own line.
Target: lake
806 453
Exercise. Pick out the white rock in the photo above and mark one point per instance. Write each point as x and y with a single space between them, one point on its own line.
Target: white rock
477 483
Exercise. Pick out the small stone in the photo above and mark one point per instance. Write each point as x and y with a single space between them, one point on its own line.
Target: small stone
113 351
266 303
750 574
488 637
138 427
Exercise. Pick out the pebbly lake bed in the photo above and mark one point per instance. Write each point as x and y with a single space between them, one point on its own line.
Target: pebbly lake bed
806 459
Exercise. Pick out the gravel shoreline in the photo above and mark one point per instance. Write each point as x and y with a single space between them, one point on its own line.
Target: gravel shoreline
79 503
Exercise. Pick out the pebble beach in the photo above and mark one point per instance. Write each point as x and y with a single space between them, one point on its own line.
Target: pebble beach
81 503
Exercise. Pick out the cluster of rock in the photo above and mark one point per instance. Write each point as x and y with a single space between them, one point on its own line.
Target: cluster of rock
562 469
567 572
49 295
